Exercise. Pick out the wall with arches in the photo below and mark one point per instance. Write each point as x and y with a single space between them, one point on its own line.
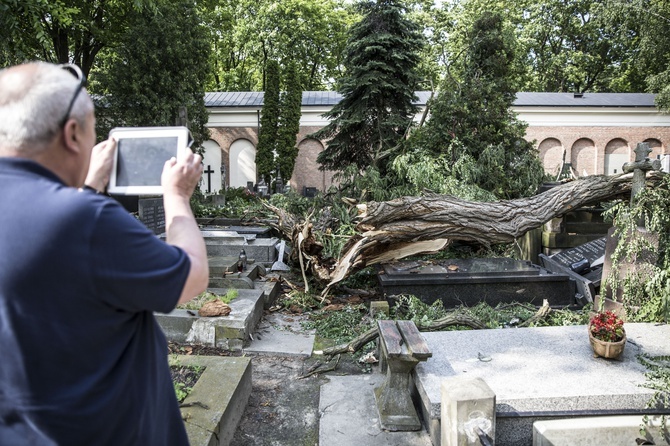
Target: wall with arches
595 150
589 149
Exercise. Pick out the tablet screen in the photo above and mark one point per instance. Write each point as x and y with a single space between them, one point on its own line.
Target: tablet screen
140 160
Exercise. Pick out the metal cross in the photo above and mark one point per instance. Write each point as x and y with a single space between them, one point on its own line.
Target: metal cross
209 173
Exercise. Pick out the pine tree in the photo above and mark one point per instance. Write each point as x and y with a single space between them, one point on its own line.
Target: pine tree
378 88
289 122
267 138
472 121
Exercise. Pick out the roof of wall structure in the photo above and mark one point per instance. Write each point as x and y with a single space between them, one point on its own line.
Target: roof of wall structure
254 99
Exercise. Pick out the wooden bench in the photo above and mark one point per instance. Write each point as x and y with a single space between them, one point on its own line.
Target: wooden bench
402 348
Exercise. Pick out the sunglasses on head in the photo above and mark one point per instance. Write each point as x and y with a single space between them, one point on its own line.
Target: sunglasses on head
77 73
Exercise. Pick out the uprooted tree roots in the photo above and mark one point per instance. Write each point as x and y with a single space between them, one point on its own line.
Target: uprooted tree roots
408 226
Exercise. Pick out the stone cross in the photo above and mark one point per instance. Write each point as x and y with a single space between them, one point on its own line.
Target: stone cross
640 167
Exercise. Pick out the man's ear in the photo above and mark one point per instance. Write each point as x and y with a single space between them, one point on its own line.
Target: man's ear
71 136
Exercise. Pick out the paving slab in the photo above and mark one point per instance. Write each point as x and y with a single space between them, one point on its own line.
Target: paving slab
282 334
538 371
348 416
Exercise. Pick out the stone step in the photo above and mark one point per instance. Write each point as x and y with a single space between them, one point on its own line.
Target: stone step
221 394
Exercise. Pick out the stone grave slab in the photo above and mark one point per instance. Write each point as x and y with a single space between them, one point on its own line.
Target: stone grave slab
583 263
470 281
229 332
257 231
229 244
538 373
224 387
223 273
152 214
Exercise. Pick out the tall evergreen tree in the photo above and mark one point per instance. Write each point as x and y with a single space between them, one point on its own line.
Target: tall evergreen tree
378 88
267 138
289 122
472 122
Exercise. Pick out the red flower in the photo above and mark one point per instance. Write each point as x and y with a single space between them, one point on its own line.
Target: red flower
607 327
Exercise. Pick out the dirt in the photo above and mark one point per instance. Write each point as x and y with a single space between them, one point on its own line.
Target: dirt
283 408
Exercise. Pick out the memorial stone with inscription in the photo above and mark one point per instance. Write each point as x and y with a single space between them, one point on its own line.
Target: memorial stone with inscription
582 263
152 214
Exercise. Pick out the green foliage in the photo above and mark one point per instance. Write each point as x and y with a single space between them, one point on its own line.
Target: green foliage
646 291
657 379
60 32
300 301
289 122
408 307
267 138
342 325
159 65
197 302
245 34
472 131
377 89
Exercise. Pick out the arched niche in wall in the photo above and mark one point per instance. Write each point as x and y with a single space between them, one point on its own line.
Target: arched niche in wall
242 163
656 147
306 172
583 157
211 177
617 153
551 155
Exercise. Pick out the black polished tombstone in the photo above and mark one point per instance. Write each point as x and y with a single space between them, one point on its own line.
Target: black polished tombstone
471 281
584 263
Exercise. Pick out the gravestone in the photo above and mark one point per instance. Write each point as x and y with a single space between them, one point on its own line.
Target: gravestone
470 281
310 192
583 263
641 266
152 214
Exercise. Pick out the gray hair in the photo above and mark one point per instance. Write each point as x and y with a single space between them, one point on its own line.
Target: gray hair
33 99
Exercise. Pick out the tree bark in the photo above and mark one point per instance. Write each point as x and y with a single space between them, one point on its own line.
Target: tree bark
408 226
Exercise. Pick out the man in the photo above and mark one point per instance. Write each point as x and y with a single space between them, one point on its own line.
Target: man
82 359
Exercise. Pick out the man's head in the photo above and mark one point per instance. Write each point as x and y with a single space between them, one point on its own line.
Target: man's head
45 116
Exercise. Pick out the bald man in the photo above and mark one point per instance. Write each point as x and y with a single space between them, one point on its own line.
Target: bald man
82 359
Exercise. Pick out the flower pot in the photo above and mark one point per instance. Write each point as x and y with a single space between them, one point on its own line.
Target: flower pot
609 350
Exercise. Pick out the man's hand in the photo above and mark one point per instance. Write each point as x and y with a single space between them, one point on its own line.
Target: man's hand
100 166
180 177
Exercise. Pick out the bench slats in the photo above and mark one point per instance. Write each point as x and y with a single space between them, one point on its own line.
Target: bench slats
391 337
414 340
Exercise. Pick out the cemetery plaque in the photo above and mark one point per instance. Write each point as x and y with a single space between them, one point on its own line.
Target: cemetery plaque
583 263
152 214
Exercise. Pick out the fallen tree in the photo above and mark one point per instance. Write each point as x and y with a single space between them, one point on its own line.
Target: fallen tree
396 229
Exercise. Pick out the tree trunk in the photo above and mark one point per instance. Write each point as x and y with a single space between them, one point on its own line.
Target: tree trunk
407 226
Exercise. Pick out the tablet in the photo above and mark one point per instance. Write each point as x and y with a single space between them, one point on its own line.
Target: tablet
141 153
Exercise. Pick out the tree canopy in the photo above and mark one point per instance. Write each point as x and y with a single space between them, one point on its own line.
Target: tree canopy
158 66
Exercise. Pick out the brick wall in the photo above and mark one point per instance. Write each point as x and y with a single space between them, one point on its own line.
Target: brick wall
591 150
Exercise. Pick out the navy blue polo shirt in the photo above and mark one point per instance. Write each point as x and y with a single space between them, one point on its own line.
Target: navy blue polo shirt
82 358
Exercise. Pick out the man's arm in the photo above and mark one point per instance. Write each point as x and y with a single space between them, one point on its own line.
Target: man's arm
179 179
